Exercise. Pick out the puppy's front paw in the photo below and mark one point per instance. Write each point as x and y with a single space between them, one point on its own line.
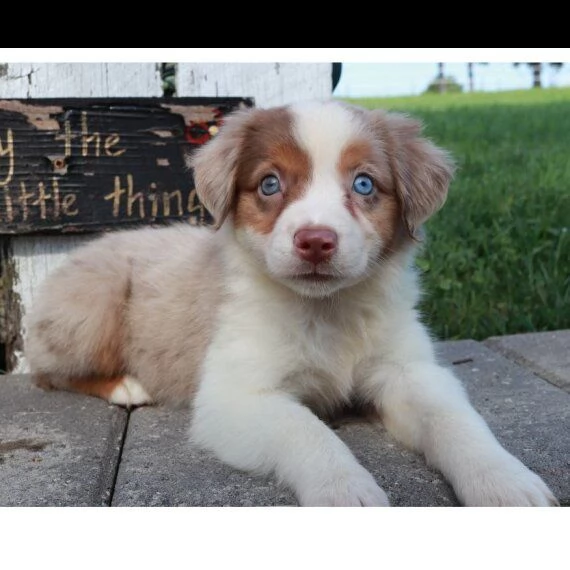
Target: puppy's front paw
354 487
506 484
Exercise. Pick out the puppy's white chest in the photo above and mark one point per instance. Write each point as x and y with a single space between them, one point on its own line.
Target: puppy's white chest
324 356
272 338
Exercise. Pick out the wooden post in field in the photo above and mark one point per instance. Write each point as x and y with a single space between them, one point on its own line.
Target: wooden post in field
440 78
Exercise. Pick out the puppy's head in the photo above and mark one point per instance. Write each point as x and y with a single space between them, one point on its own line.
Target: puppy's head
320 193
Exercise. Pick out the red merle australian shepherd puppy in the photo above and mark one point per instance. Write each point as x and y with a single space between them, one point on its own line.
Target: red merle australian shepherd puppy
301 300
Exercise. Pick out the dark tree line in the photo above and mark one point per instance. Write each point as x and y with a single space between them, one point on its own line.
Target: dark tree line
536 68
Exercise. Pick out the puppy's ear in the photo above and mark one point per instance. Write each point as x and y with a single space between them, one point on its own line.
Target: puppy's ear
215 166
422 171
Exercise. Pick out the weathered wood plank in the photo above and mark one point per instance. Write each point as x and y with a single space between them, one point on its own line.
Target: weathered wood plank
72 165
93 79
268 83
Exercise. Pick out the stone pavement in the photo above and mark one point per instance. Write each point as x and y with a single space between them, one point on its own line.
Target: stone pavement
62 449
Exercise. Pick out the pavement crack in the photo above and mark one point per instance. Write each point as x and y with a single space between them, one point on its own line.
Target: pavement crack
123 438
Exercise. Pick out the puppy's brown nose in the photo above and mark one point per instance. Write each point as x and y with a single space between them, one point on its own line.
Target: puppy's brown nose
315 244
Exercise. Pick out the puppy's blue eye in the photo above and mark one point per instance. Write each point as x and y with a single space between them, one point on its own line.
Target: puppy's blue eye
270 185
363 185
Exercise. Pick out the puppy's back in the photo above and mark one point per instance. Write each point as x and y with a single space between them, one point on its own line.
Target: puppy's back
126 304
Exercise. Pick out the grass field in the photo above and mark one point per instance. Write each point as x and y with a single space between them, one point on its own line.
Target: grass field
497 259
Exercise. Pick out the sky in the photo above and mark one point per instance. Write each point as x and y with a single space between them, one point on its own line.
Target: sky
386 72
385 79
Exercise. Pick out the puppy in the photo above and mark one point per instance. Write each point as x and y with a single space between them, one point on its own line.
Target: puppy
301 300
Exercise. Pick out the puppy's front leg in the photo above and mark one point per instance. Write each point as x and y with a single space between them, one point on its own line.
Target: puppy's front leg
425 407
268 431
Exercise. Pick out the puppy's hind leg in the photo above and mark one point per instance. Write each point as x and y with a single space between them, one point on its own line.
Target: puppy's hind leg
123 391
77 330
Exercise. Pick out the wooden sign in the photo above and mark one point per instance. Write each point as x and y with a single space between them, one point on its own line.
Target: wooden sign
77 165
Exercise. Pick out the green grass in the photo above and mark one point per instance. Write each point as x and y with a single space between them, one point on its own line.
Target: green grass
497 257
435 101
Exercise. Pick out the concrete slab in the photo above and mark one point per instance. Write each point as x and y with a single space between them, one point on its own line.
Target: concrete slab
56 448
545 353
160 468
404 475
62 449
528 415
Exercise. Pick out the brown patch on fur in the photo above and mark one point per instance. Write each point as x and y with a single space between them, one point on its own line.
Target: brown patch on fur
108 357
43 381
422 171
98 387
387 220
367 156
269 148
382 208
